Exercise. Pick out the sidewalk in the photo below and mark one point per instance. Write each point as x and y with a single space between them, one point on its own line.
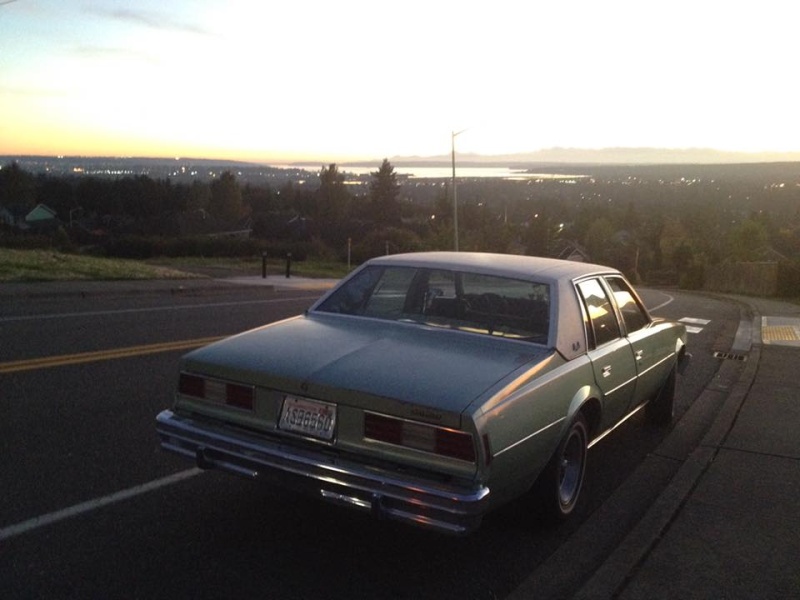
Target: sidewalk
728 524
287 283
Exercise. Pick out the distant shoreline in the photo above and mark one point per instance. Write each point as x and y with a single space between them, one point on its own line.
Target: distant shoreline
276 174
548 160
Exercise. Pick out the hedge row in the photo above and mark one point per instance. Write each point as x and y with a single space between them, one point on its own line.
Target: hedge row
789 279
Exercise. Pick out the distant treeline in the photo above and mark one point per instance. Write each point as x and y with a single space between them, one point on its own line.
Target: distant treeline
664 223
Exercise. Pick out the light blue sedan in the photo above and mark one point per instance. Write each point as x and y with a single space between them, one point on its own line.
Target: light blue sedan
432 387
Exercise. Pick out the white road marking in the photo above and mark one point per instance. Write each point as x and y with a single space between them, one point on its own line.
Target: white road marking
663 304
91 505
692 326
692 323
695 321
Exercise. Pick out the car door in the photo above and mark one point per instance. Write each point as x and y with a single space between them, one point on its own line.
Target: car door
610 353
651 349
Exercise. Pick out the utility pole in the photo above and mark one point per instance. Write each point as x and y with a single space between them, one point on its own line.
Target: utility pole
453 135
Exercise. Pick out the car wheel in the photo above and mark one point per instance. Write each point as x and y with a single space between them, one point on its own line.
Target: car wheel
559 486
660 410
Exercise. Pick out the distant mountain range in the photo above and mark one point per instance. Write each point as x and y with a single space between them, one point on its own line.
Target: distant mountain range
609 156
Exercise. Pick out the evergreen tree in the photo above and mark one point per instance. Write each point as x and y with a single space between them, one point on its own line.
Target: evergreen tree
17 188
226 199
598 240
384 191
332 197
198 196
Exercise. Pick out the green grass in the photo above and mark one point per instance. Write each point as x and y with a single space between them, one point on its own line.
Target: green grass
50 265
252 266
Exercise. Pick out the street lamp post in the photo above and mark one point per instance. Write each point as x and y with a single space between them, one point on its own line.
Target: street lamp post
455 193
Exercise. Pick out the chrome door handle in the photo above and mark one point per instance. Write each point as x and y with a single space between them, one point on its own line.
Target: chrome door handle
639 354
607 371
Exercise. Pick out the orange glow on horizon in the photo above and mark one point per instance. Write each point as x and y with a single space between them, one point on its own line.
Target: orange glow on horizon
39 140
196 79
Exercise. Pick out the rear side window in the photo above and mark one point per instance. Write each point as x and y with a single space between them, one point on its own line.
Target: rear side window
389 294
353 297
603 325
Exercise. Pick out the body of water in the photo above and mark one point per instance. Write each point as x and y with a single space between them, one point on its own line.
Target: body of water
413 172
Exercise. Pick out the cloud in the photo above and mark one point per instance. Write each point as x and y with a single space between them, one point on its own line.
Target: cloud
29 92
150 20
103 52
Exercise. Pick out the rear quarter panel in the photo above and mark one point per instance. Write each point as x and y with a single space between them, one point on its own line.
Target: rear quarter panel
526 420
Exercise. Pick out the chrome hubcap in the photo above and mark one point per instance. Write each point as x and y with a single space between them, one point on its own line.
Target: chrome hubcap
570 469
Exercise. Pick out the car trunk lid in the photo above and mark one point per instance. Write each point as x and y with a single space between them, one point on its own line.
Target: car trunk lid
405 369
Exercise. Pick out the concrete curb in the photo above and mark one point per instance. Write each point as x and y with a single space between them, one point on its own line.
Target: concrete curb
672 470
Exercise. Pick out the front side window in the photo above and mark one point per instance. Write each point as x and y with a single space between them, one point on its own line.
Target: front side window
486 304
603 323
633 314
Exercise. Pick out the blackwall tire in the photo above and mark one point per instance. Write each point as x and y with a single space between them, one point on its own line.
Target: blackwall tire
660 410
559 486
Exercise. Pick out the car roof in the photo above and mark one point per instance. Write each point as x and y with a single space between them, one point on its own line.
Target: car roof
534 268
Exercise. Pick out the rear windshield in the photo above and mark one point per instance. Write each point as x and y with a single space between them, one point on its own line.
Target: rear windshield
474 302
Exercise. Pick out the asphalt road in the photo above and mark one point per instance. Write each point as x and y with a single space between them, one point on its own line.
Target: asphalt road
91 508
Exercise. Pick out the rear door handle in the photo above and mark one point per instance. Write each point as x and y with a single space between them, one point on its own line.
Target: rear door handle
607 371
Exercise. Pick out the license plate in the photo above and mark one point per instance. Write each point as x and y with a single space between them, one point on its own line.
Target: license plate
308 417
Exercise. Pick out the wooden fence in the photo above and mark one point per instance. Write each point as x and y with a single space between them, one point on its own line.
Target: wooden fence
752 278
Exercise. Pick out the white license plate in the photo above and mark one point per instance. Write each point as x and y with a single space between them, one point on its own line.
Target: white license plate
308 417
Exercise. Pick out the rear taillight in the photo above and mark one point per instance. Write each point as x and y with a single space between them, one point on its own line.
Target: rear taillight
222 392
419 436
455 443
192 385
240 396
377 427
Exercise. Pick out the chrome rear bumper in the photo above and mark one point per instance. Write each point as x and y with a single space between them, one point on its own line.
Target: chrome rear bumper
387 494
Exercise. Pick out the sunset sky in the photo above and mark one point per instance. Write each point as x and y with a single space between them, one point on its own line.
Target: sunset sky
332 81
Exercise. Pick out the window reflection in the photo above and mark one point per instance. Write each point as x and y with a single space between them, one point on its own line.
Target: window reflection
602 320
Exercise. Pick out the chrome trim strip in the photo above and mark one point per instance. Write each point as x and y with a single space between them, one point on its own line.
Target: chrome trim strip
639 375
607 431
622 385
527 437
344 499
659 363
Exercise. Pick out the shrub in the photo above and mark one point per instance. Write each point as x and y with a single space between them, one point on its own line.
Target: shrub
692 277
145 247
26 241
393 239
